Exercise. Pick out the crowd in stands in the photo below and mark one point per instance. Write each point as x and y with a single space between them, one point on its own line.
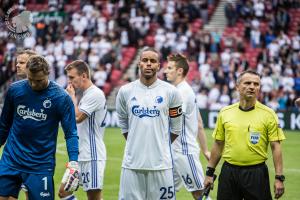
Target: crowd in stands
264 35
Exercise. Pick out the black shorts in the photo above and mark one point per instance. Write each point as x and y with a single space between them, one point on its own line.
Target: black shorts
244 182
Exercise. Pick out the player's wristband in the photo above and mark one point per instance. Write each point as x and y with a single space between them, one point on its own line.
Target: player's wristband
210 171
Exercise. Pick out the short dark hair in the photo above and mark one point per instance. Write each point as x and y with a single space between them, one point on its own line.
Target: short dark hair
149 49
80 66
248 71
37 63
26 51
180 62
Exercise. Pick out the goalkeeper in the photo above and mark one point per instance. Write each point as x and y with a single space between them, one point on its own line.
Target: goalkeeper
29 123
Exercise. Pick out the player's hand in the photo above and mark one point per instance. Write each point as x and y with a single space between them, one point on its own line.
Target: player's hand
209 182
70 90
278 189
71 177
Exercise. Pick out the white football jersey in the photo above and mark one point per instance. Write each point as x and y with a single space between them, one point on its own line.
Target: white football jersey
91 130
187 141
146 113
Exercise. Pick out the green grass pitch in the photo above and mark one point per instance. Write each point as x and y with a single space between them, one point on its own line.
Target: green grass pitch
115 145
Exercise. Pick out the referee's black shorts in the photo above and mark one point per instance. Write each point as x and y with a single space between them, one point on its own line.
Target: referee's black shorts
244 182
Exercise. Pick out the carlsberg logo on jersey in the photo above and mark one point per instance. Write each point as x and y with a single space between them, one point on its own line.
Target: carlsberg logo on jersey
27 113
145 112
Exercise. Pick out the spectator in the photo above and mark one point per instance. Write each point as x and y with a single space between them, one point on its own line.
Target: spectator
202 99
100 76
230 13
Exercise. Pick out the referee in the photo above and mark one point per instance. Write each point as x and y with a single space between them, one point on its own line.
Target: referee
242 135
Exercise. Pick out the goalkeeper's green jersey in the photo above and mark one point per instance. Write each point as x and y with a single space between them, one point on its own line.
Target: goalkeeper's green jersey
247 133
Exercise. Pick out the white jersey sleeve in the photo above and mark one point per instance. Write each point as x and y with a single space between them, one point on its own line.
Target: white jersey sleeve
91 103
175 112
121 110
91 130
145 113
187 141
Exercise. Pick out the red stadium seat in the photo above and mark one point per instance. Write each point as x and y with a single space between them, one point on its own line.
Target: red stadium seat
124 64
30 7
192 75
193 65
115 76
128 52
153 27
107 87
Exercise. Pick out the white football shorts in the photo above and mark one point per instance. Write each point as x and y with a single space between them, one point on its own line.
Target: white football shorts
188 172
92 174
146 184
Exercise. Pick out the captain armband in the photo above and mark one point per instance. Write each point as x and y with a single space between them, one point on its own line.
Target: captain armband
175 112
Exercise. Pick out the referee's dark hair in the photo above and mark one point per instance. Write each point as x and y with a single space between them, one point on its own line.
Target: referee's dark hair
80 66
38 63
180 62
248 71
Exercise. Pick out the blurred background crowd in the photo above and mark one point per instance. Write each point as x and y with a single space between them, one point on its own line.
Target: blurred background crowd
260 34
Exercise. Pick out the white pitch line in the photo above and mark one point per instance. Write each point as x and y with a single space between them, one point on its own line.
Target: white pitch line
114 159
61 144
62 152
289 170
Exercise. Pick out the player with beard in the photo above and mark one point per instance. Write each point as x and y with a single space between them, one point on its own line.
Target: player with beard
150 117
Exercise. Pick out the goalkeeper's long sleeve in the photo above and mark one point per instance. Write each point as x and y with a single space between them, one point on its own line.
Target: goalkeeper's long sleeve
68 123
6 118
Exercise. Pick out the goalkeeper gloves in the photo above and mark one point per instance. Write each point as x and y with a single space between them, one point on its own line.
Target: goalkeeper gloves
71 177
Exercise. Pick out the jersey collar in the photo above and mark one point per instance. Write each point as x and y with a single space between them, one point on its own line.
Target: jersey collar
247 110
151 86
89 88
181 83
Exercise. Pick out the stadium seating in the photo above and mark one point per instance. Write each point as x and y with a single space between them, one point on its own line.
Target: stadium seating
126 52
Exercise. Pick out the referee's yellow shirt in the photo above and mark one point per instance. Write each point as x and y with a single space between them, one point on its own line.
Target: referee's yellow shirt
247 133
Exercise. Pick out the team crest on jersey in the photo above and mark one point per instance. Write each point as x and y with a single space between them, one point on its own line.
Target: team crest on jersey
254 137
27 113
145 111
159 99
47 103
